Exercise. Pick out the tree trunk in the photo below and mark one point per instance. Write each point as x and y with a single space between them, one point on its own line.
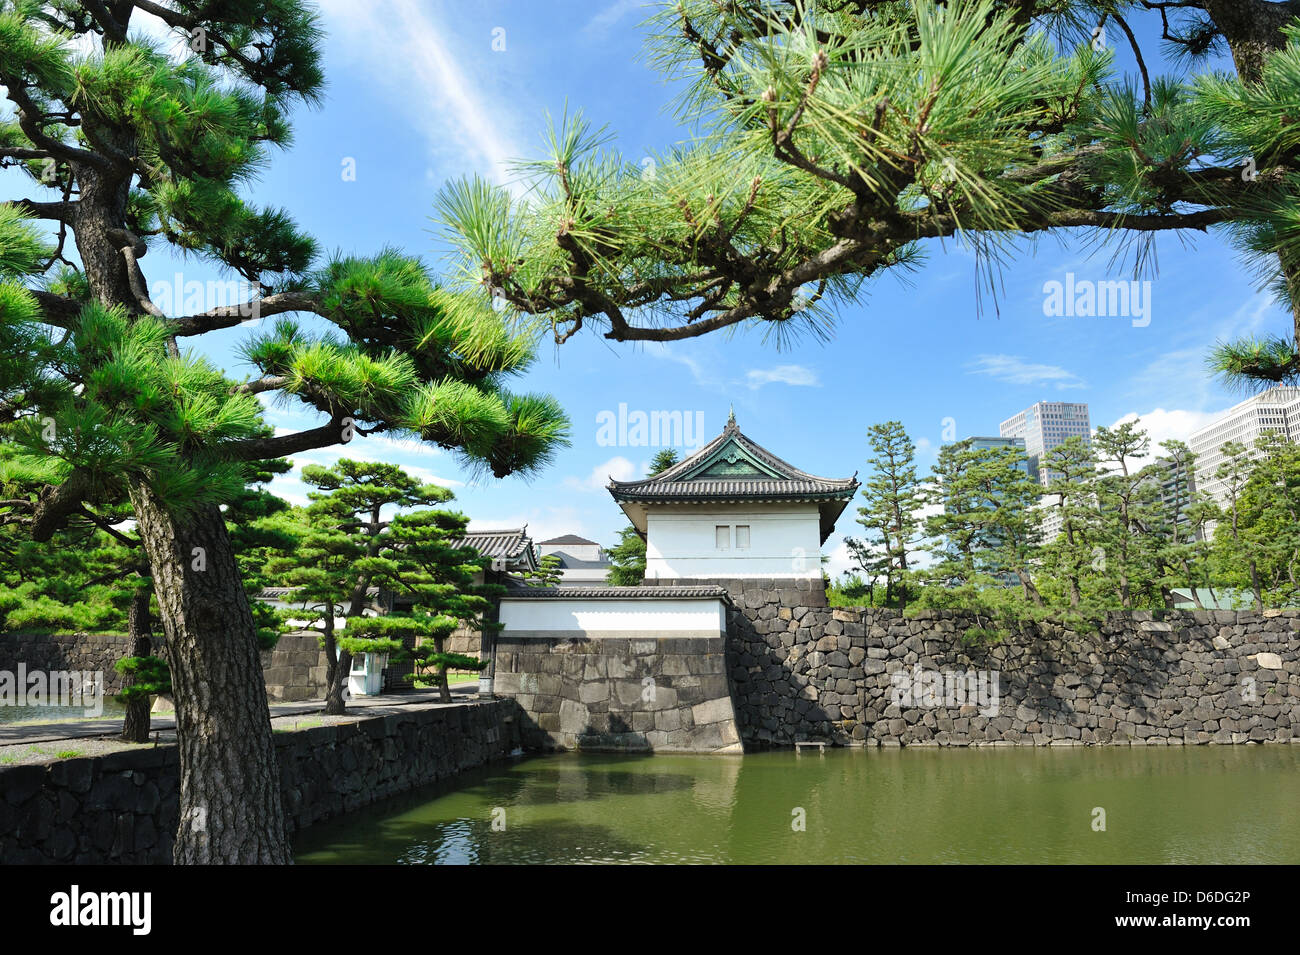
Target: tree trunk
135 726
444 688
337 665
230 808
1254 585
1027 584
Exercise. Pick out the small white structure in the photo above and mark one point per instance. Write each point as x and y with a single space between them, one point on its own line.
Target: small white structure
366 678
583 563
733 510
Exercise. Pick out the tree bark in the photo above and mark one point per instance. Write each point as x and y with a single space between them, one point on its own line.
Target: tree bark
230 808
135 726
444 688
337 664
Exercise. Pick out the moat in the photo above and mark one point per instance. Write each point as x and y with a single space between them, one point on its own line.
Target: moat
1202 804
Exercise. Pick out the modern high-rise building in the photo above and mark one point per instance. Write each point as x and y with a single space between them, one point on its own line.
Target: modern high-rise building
1277 409
1044 425
1175 487
985 442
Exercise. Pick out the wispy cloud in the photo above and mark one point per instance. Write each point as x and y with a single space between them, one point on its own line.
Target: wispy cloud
797 375
404 44
599 25
1015 370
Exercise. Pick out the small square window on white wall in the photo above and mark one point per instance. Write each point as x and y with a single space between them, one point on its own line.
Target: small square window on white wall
722 536
742 536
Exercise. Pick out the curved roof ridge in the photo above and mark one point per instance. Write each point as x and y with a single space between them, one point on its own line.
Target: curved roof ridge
676 473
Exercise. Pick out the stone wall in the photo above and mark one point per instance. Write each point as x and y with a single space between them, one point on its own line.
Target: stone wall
295 669
122 807
70 651
619 694
800 670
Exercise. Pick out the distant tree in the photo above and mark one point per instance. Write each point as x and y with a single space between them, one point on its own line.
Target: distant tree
893 498
1071 491
335 553
1181 520
1127 502
1231 539
549 573
421 559
959 528
1012 538
1269 516
627 557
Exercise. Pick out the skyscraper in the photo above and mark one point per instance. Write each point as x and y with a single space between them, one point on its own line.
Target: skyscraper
1277 409
1044 425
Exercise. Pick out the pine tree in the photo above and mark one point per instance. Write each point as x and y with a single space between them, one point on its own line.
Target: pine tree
421 560
1232 541
143 150
1127 500
1072 492
837 137
893 503
334 554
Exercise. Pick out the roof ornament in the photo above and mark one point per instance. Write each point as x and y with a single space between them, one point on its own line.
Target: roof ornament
731 419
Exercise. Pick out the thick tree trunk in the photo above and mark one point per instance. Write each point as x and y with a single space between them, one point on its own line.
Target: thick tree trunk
135 726
230 809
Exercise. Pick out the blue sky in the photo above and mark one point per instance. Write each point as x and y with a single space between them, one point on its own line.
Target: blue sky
417 95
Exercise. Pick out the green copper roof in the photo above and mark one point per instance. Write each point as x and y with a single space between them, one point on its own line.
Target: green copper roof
733 468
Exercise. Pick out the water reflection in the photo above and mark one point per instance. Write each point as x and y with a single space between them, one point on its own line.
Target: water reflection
1027 805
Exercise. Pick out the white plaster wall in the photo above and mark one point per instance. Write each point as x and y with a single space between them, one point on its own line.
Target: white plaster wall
784 541
580 551
601 614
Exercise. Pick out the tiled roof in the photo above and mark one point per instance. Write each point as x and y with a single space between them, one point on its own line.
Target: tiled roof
645 593
778 480
733 489
569 562
569 539
507 544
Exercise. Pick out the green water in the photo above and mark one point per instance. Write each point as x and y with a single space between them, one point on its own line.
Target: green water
1203 804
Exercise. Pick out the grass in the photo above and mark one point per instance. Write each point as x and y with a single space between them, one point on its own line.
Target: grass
452 680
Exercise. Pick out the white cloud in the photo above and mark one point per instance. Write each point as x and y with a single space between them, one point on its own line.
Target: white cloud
839 560
1017 371
618 468
543 523
599 25
796 375
404 44
1161 425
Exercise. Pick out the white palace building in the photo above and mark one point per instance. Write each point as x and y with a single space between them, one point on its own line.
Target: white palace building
730 511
